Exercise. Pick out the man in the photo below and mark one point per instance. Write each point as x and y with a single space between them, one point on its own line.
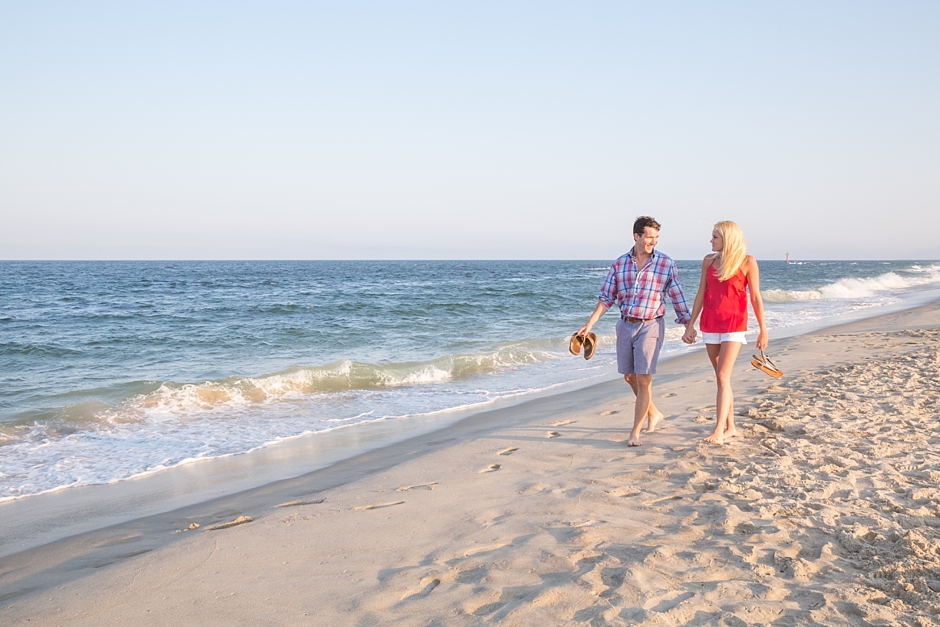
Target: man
638 281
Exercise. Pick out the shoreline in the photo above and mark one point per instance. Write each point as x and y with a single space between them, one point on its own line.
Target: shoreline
680 380
163 489
150 431
35 520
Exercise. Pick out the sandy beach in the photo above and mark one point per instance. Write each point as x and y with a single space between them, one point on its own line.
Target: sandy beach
823 510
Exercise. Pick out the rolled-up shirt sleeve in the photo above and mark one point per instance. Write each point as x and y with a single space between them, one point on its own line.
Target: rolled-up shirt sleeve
608 294
674 289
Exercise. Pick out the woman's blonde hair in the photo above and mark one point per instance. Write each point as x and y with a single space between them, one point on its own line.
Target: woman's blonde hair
733 251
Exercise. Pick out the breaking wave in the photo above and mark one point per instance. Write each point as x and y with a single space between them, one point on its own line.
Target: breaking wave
299 382
858 287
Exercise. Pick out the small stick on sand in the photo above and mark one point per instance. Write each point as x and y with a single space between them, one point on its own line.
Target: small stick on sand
378 505
302 502
426 486
241 520
772 450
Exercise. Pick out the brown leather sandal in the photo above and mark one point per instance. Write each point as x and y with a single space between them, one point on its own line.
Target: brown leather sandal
590 343
764 364
575 344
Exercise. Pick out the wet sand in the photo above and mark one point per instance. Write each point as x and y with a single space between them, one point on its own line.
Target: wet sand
823 510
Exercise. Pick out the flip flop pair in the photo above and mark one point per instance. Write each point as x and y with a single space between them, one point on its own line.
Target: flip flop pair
764 364
588 341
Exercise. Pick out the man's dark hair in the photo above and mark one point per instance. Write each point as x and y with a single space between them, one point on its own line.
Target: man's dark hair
639 227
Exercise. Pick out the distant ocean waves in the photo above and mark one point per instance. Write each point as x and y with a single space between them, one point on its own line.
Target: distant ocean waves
859 287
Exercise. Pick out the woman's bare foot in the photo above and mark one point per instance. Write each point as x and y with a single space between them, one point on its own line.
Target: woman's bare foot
715 438
730 433
633 442
653 419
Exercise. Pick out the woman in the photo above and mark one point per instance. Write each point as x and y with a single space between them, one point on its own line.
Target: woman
729 275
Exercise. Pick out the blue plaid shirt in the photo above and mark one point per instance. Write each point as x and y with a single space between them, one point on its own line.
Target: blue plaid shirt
640 291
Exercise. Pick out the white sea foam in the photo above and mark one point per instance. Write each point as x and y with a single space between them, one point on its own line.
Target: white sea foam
785 296
298 383
190 423
428 374
849 288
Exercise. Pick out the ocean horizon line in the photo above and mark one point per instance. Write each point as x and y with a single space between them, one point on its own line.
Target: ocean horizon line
429 259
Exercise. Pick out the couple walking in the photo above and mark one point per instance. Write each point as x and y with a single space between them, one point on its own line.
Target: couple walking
639 281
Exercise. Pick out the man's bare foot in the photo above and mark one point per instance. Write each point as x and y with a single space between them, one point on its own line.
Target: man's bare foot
715 439
652 420
730 433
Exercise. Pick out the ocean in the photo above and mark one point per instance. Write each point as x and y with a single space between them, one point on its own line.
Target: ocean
113 370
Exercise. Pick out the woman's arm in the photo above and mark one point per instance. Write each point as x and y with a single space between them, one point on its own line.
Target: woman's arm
689 336
752 274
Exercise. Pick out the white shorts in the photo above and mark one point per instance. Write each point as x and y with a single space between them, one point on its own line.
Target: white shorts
718 338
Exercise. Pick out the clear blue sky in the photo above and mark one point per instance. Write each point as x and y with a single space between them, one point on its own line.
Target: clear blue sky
299 130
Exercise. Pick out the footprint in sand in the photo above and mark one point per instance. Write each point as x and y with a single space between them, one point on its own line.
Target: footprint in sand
121 540
508 451
424 589
491 468
116 558
789 564
610 412
561 423
484 549
624 491
552 434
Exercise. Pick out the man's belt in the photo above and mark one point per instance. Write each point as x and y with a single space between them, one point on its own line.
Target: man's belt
635 320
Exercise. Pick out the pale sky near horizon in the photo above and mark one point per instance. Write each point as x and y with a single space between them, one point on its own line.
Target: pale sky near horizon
467 130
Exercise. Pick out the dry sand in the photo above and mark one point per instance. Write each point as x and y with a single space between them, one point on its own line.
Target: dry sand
823 510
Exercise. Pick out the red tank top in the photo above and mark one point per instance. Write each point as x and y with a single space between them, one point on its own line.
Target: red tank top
724 309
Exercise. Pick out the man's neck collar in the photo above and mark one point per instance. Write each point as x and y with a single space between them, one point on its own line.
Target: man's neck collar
633 253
